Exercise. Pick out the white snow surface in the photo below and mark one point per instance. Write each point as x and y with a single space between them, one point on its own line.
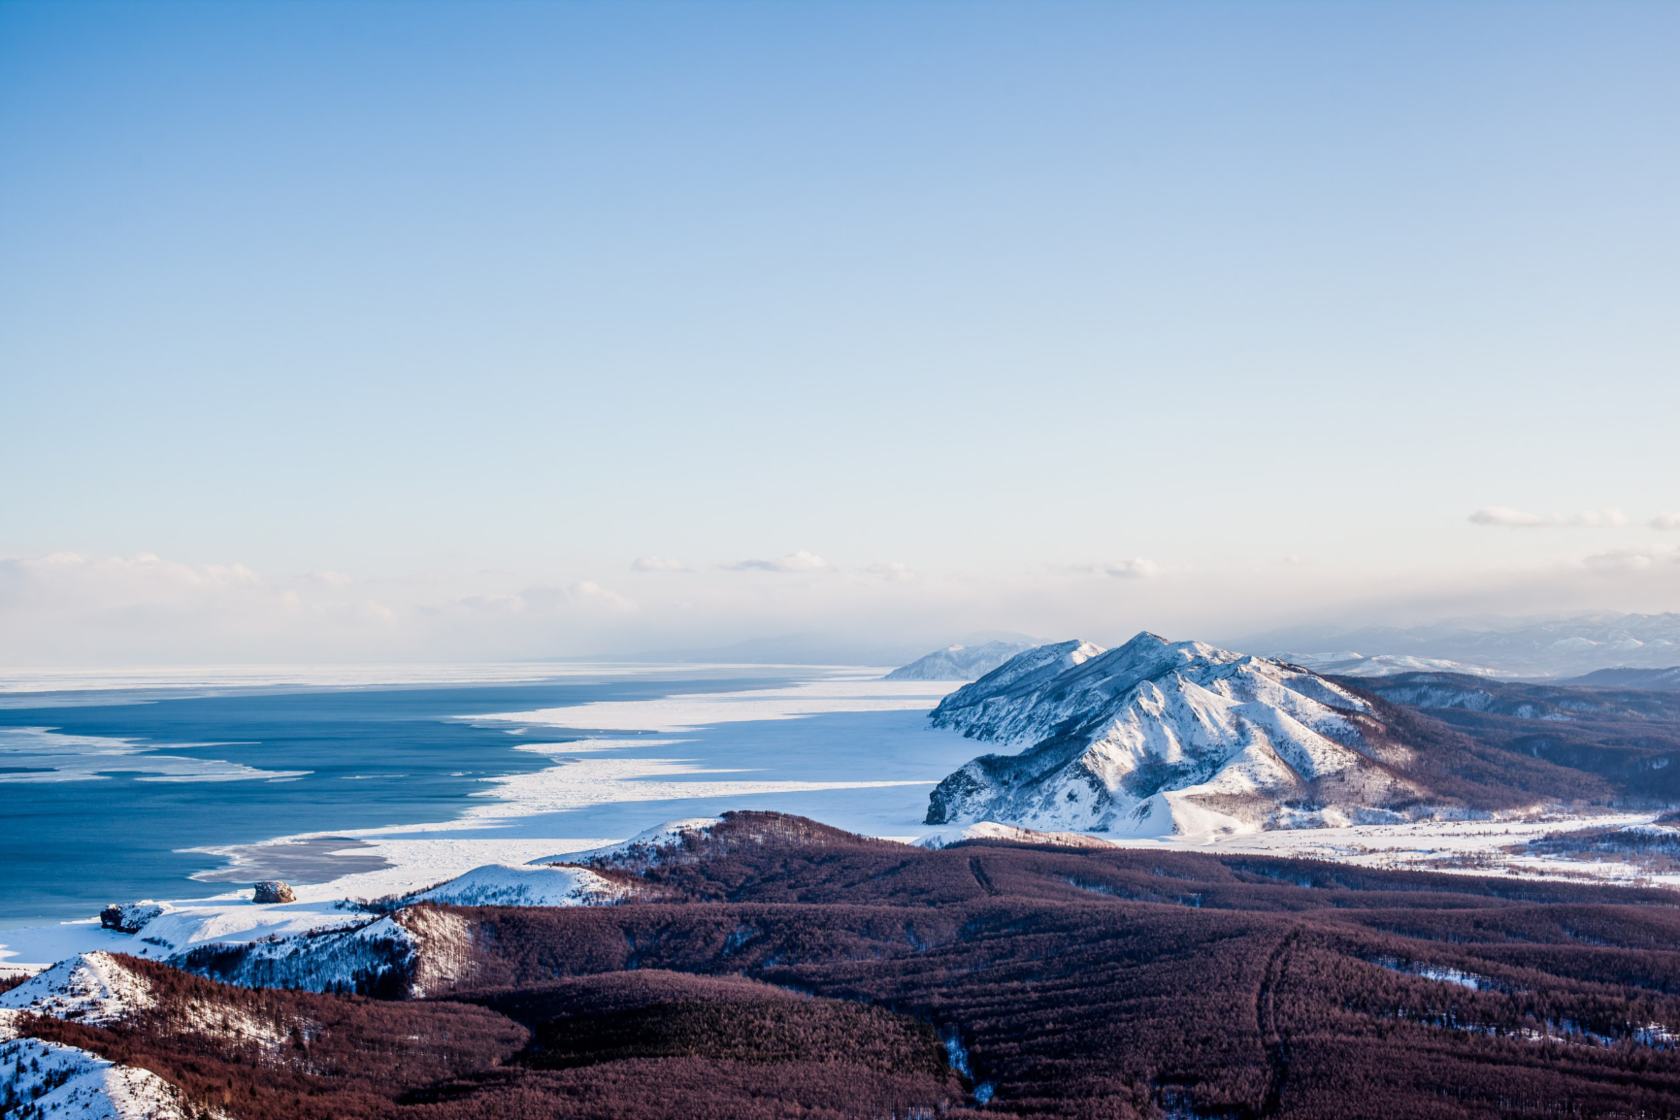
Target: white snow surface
992 830
1126 741
44 755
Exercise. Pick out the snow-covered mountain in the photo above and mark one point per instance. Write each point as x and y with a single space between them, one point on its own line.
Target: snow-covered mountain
1156 737
959 663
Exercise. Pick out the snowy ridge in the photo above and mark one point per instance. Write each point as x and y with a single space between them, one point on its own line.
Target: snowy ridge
503 884
1154 738
647 848
959 663
375 955
92 988
414 950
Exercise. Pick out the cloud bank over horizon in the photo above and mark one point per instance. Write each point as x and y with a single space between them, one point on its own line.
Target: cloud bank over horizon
67 608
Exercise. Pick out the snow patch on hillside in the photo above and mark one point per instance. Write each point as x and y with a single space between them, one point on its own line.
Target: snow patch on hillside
505 884
992 830
645 849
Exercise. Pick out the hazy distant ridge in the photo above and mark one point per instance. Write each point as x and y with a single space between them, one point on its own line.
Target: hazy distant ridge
959 663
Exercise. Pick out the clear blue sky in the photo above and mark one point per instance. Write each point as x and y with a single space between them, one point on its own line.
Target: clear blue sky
1253 304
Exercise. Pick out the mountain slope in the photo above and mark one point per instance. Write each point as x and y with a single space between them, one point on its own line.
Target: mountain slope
959 663
1155 737
1158 737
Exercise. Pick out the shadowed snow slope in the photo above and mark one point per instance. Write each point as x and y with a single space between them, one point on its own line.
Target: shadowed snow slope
1157 737
959 663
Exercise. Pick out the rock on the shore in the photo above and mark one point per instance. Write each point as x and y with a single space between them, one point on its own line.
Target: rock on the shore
273 890
128 917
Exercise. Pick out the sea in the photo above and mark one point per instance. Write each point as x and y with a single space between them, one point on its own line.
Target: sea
111 794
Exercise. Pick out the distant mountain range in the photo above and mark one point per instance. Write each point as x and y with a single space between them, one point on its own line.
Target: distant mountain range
1658 679
825 649
960 663
1550 647
1157 737
1547 648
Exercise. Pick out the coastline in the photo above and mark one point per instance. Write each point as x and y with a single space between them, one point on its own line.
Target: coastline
842 747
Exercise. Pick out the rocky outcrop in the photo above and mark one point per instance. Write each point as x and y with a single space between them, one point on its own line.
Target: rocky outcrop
128 917
272 890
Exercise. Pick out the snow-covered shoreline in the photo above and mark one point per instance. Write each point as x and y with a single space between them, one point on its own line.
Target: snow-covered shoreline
844 748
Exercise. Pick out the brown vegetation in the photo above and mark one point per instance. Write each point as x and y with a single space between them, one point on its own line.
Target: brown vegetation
794 971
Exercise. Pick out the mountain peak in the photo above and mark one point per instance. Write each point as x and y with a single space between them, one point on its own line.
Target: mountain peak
1152 736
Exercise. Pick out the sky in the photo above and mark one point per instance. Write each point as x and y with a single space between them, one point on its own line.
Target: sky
509 330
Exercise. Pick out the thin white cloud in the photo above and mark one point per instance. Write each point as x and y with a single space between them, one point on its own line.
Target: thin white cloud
543 602
1665 521
894 571
1621 560
658 564
1504 517
800 561
1135 568
589 593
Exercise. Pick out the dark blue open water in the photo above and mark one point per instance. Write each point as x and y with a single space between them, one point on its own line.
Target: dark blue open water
374 757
